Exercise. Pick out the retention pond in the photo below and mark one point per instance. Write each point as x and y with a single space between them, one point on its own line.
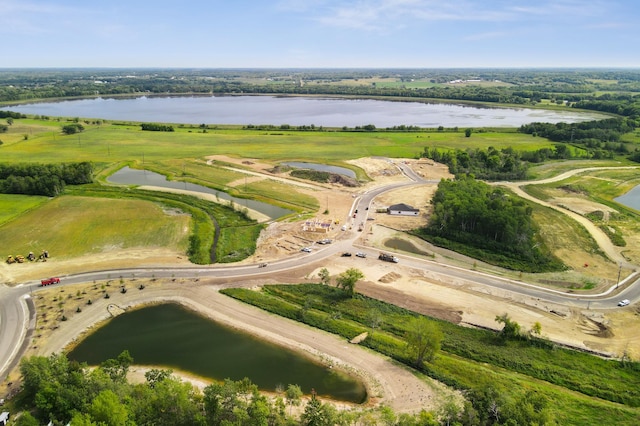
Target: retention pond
171 336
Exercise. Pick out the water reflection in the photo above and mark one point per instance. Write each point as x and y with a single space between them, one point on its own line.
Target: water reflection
172 336
129 176
297 111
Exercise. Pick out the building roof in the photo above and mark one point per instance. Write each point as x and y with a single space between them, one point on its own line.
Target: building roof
402 207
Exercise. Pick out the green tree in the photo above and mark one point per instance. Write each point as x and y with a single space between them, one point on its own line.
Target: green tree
510 330
26 419
10 121
348 279
155 375
118 368
325 276
423 339
169 402
293 395
467 133
315 413
106 409
82 419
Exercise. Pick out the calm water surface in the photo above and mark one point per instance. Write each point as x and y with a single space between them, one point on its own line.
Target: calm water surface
631 198
298 111
174 337
129 176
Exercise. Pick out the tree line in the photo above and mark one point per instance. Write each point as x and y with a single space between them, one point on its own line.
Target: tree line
43 179
61 391
575 87
154 127
600 138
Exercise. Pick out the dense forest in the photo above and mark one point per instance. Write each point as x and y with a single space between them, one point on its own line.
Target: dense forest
470 213
43 179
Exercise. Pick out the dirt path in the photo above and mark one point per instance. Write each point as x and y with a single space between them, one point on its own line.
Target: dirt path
603 241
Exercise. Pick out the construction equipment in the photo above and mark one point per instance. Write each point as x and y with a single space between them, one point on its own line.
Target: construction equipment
10 259
31 256
19 258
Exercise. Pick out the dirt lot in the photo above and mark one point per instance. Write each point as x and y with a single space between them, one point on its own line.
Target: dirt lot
607 331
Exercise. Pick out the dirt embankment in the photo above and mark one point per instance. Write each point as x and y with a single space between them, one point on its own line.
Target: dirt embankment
386 382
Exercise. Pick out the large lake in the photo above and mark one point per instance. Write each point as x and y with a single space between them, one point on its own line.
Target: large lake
297 111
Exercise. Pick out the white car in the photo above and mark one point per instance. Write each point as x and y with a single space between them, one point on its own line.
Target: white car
624 302
360 254
306 250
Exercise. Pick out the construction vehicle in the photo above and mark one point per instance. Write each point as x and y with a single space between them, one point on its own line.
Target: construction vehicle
388 258
31 256
15 259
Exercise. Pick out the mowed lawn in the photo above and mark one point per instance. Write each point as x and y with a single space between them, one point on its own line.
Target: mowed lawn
73 226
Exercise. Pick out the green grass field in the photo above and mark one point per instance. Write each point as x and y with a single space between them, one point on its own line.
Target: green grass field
74 226
12 206
109 143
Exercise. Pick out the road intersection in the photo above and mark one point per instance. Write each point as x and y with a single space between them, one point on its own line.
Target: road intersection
17 311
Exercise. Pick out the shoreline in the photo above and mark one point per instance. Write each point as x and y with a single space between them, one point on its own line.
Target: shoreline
385 382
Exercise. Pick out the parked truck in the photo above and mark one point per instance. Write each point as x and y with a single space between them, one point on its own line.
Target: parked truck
49 281
388 258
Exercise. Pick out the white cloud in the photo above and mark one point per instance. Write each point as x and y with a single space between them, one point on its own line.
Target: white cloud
388 14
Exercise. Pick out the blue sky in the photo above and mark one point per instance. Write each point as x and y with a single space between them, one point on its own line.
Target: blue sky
320 33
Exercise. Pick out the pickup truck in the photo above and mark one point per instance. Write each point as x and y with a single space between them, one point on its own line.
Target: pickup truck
388 258
49 281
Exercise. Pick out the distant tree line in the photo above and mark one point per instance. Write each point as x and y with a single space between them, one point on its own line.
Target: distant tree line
43 179
467 212
521 86
11 114
600 138
153 127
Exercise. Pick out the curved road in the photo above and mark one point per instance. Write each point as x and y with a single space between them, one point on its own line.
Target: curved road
17 313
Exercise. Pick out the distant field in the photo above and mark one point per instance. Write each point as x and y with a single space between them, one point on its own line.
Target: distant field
73 226
108 143
12 206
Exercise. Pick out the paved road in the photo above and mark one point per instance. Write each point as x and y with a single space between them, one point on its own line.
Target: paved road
17 315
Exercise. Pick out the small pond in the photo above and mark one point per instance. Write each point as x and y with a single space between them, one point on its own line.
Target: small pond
129 176
322 168
631 198
172 336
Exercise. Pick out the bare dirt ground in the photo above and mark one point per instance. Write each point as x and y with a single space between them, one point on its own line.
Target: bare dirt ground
606 331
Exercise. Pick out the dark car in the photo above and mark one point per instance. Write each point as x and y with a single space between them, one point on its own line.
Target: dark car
346 254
